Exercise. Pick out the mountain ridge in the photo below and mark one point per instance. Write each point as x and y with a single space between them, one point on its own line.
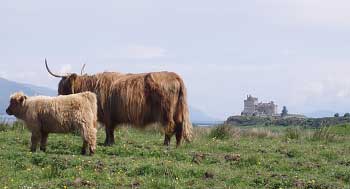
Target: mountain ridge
8 87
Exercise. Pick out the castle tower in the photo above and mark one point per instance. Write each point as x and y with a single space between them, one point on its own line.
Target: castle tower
250 105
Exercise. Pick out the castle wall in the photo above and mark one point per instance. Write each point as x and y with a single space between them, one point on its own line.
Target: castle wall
252 107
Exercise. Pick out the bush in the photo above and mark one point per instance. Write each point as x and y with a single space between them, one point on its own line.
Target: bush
323 134
224 132
18 126
4 126
293 133
260 133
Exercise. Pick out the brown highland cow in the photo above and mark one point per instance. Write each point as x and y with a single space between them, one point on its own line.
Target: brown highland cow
43 115
136 99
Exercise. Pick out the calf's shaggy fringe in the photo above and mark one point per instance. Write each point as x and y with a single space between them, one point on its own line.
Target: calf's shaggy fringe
43 115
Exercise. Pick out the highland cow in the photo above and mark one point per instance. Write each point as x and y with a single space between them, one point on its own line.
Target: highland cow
63 114
136 99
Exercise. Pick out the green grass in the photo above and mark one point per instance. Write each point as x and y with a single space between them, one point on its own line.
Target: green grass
291 158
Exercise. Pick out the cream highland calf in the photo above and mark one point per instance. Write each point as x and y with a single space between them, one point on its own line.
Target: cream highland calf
62 114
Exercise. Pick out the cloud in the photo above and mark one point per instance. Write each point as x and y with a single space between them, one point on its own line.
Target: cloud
3 74
308 12
132 52
144 52
66 68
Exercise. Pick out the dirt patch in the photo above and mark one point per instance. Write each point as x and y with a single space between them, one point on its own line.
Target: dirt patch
198 158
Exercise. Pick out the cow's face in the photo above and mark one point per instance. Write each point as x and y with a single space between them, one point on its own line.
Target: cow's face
66 85
16 104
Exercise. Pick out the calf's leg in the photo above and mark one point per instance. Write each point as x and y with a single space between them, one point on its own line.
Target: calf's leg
92 140
43 141
83 149
35 140
89 137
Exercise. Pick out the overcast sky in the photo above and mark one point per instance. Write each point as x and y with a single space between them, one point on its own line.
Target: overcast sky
294 52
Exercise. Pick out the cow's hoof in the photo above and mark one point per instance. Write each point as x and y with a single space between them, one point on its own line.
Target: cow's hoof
109 143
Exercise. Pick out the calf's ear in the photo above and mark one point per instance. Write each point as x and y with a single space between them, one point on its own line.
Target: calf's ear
22 99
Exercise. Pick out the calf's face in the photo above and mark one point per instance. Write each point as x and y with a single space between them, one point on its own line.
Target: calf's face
16 104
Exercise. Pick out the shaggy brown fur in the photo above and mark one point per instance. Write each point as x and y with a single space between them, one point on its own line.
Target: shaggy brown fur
137 99
62 114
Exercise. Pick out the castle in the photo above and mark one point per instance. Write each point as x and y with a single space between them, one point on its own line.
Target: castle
254 108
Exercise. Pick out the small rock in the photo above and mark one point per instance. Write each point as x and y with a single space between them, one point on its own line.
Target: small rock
233 157
99 166
299 184
198 158
263 151
135 185
77 182
208 175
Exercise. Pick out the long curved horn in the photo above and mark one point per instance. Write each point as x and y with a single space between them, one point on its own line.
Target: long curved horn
82 69
48 69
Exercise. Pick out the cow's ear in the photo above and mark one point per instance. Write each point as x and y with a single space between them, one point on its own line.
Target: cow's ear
73 76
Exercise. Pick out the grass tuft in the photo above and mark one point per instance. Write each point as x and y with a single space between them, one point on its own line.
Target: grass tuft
260 133
224 132
324 134
293 133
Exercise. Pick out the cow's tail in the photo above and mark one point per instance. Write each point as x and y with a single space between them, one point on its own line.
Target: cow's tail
184 113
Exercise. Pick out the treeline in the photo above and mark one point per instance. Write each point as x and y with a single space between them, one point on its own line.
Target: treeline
286 121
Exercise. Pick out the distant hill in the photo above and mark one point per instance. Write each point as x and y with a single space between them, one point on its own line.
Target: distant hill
321 113
199 116
287 121
8 87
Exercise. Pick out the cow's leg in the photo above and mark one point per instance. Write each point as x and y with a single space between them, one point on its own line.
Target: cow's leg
111 135
109 128
107 135
35 141
169 132
167 140
178 133
168 120
43 141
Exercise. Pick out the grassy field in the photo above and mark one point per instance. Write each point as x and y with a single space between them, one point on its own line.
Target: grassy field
220 157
